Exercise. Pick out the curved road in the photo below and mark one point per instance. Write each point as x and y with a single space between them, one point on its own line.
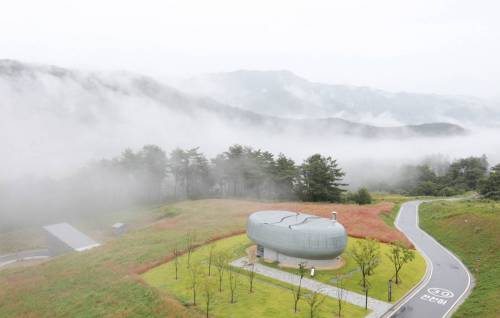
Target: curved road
447 281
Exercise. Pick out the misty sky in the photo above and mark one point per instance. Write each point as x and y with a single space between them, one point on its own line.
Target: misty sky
449 47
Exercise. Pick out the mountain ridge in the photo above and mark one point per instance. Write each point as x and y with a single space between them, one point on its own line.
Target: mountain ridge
285 94
102 89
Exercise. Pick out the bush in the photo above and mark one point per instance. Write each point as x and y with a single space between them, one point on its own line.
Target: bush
448 192
362 196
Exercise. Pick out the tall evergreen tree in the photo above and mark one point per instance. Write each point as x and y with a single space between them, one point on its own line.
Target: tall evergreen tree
490 188
467 173
154 165
285 175
320 179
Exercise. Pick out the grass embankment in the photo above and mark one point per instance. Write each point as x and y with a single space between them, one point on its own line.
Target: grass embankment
397 200
269 298
97 226
102 283
471 229
410 275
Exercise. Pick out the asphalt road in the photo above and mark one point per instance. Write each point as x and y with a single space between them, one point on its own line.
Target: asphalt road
448 281
24 255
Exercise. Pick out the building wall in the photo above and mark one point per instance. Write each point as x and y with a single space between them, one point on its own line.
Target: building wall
56 246
271 255
321 243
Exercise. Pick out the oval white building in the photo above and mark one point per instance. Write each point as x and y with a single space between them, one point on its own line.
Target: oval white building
291 237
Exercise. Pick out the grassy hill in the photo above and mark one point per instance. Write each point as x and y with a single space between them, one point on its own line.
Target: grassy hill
103 282
471 229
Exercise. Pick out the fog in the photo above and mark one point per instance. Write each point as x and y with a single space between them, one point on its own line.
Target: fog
429 46
55 123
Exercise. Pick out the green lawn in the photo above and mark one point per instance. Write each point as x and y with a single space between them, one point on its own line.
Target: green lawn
471 229
410 275
269 299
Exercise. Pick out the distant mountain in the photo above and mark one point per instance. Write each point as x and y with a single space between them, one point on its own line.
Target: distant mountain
284 94
91 98
53 119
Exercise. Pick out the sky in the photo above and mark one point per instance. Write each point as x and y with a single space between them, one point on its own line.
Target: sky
429 46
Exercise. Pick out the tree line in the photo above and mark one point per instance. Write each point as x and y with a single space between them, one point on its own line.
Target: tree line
438 177
240 172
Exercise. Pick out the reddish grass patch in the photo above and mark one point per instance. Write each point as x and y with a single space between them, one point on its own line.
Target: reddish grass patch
361 221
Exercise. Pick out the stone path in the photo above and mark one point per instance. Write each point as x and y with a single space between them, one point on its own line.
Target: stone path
377 307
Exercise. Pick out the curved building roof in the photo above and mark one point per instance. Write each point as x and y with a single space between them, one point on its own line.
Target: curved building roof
297 234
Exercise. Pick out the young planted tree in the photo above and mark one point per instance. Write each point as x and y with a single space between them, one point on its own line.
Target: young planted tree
194 272
190 245
301 273
366 254
341 294
233 283
251 276
210 258
220 264
296 294
176 253
314 300
208 293
400 255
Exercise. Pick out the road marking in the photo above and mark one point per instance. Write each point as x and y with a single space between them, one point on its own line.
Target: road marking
441 292
434 300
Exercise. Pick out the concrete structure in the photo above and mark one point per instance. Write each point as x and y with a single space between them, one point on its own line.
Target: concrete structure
63 238
291 238
119 228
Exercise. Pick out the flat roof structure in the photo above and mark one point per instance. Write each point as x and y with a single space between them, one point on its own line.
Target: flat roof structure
67 236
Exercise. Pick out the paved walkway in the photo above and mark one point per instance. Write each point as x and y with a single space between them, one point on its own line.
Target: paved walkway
377 307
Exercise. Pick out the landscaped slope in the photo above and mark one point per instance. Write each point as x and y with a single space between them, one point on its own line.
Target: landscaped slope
103 282
271 299
471 229
410 274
